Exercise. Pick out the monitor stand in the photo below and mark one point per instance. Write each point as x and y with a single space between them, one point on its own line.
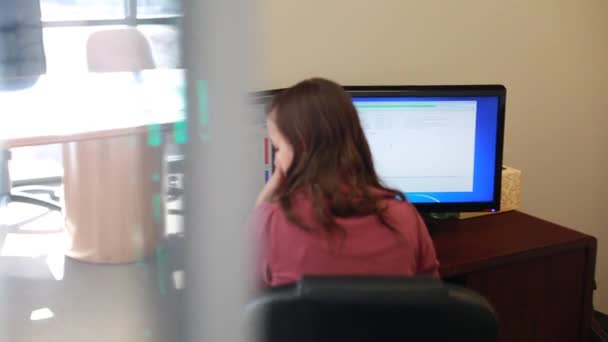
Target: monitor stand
434 220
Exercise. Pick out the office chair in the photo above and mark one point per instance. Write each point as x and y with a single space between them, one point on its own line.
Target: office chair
119 50
22 61
370 309
24 193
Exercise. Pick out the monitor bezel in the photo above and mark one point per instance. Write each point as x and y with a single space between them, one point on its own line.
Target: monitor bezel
480 90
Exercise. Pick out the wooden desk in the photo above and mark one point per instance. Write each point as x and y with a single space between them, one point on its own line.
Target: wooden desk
112 168
536 274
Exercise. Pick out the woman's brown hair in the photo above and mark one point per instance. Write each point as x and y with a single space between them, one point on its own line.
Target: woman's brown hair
332 161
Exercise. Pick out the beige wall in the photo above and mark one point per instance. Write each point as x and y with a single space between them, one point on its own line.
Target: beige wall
551 54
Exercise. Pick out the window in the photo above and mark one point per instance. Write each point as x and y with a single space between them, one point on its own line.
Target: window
69 23
157 8
164 40
65 48
61 10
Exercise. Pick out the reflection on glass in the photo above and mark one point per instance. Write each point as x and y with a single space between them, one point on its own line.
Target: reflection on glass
41 314
122 197
117 213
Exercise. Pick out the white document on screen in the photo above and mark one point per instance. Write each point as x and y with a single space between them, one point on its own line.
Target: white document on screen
422 146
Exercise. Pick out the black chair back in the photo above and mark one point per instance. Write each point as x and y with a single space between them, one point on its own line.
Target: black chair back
366 309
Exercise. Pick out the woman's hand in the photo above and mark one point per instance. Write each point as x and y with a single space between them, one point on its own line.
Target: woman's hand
277 177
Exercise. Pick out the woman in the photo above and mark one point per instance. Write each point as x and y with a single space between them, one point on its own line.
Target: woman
323 210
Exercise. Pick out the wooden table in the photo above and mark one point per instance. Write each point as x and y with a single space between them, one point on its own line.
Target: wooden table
539 276
66 108
110 128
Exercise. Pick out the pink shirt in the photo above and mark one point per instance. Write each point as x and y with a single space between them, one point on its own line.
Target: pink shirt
287 252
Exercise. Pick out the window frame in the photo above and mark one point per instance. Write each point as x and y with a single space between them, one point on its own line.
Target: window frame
130 19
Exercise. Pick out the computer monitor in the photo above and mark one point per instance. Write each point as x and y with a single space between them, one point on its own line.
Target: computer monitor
440 145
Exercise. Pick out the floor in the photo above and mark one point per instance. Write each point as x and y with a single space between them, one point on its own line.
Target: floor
45 296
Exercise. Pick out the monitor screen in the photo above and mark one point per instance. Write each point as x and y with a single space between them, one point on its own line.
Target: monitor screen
439 145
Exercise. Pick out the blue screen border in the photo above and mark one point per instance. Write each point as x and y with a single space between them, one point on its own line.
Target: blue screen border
464 92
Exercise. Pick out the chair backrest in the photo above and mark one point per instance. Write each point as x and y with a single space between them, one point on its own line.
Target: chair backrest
22 57
115 50
365 309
